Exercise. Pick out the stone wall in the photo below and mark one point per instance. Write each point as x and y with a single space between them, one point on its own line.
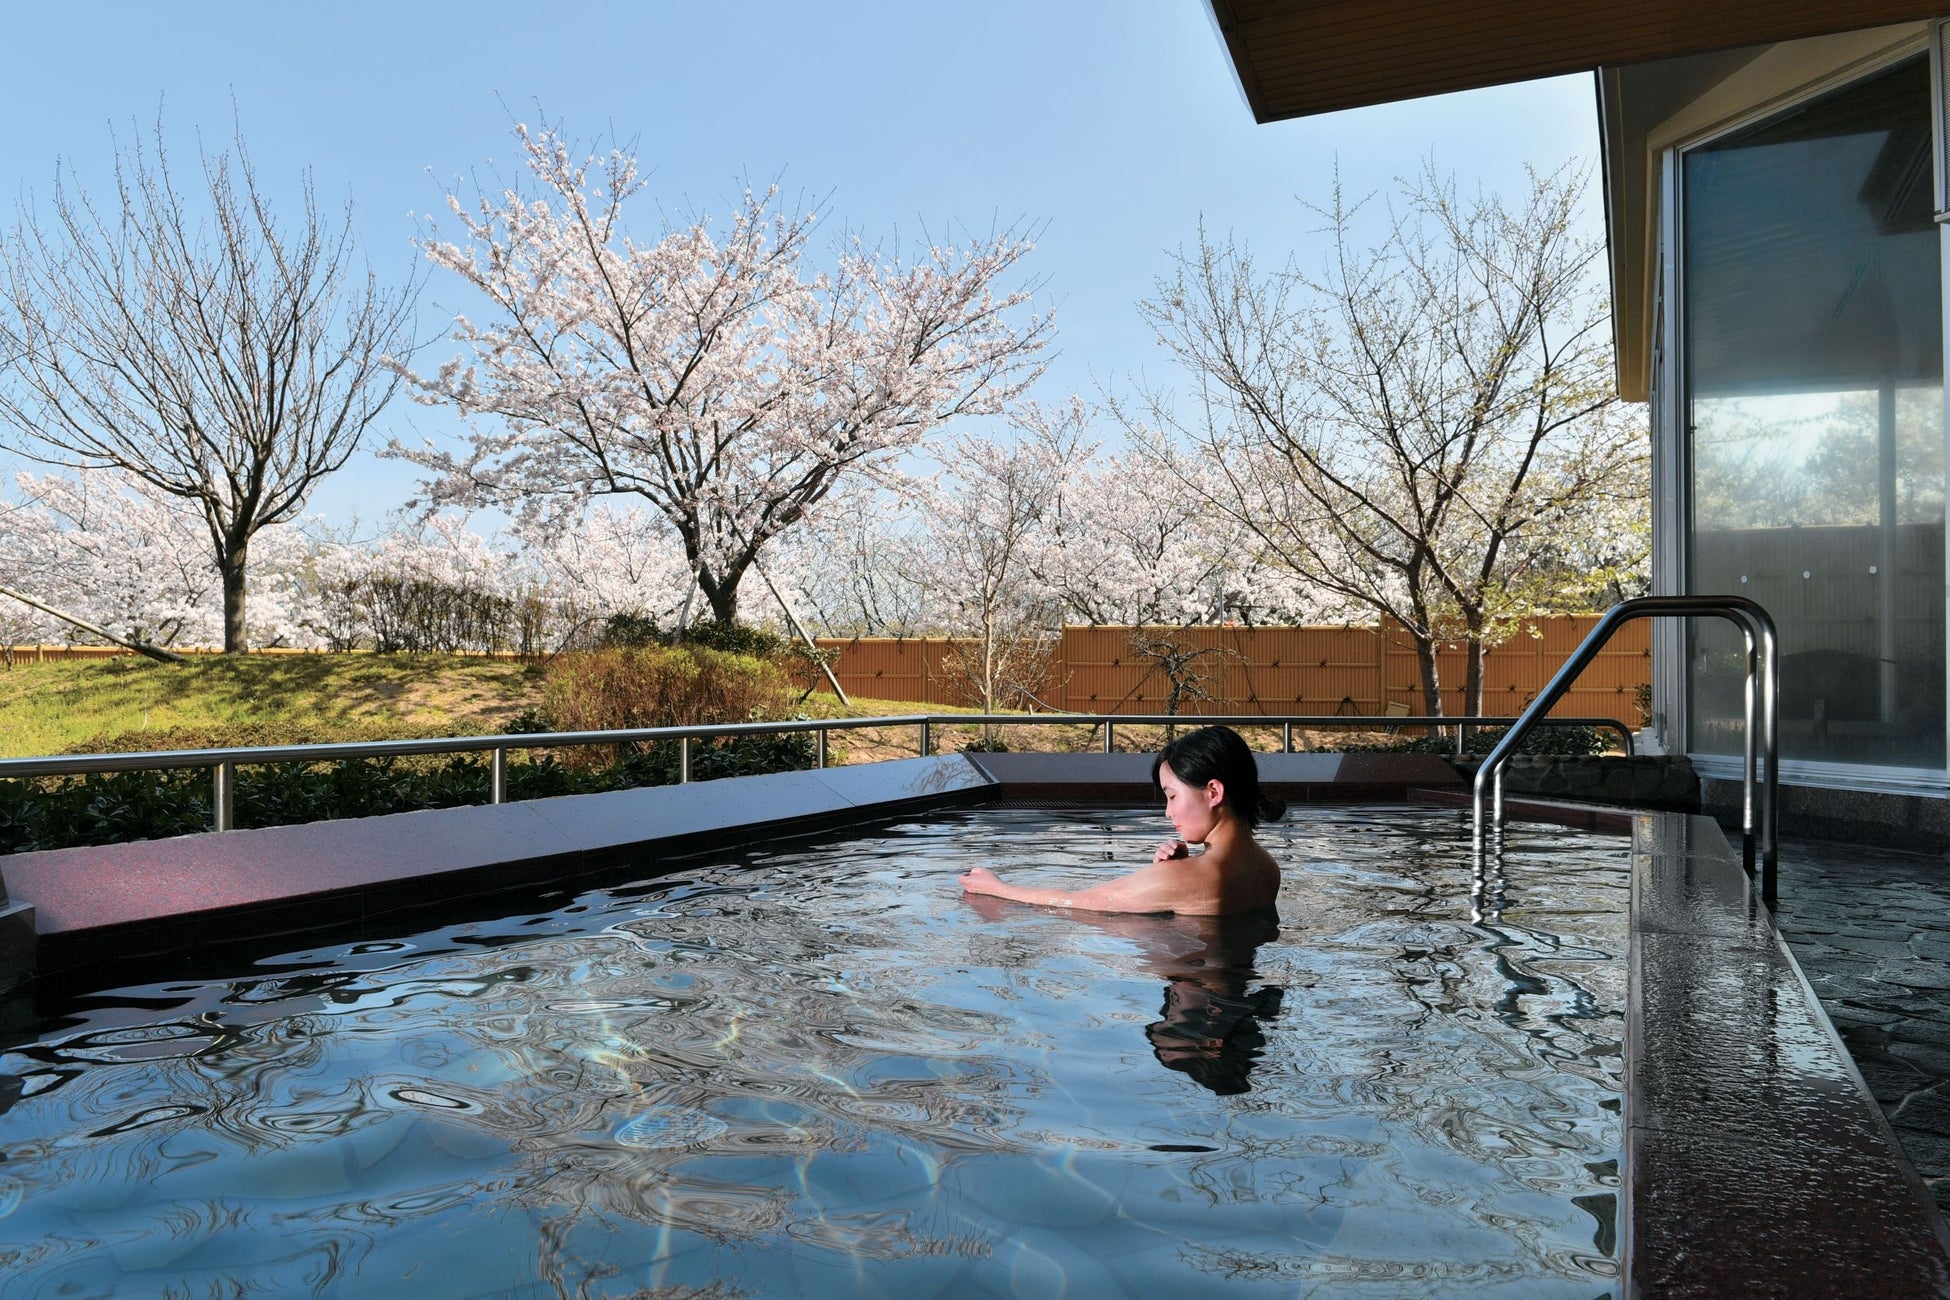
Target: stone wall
1893 821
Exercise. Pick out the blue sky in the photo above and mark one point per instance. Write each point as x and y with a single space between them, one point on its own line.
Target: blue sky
1112 124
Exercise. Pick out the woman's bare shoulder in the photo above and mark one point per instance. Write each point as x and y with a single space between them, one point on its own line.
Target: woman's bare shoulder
1252 878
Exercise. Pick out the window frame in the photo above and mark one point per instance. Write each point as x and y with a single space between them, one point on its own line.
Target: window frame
1673 472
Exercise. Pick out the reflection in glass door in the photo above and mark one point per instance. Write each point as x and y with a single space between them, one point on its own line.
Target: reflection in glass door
1814 370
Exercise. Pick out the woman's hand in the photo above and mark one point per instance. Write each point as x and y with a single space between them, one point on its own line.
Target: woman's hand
980 881
1170 850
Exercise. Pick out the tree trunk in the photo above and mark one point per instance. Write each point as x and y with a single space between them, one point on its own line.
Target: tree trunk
989 674
1473 676
1431 670
1472 686
722 593
231 568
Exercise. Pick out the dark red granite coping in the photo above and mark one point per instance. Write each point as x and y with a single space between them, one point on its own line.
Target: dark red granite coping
17 945
1755 1160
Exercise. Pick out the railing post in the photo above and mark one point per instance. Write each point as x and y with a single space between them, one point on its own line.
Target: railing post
498 776
1750 746
927 738
223 803
1110 736
819 749
1286 737
1770 743
683 760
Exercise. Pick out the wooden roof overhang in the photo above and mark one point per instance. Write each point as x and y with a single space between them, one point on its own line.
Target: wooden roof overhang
1295 58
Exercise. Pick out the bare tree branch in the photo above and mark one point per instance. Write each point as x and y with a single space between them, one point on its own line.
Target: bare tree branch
193 342
1427 427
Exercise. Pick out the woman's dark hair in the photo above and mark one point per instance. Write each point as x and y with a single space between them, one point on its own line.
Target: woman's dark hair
1218 754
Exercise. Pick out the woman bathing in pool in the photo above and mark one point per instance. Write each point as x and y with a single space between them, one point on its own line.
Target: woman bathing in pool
1211 788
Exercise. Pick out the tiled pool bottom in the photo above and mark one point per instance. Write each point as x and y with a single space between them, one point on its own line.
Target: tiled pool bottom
831 1075
1871 929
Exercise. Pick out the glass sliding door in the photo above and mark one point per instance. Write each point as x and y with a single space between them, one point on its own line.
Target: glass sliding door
1814 390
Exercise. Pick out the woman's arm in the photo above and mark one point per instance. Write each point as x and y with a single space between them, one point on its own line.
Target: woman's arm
1148 889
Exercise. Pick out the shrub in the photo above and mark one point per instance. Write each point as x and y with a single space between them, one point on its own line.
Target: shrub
734 638
629 628
529 722
1574 742
110 808
412 613
116 807
660 686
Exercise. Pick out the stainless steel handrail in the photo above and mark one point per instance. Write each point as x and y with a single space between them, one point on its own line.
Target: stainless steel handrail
1760 794
223 763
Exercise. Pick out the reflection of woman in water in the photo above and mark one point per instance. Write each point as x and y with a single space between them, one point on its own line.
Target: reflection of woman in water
1210 1028
1211 788
1210 1025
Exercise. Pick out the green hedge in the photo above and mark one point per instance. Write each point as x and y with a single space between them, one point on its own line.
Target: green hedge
1575 742
117 807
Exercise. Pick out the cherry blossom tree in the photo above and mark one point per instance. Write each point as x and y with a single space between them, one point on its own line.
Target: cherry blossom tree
27 563
1120 542
845 569
197 344
1418 429
609 559
136 561
132 561
986 517
707 370
1128 545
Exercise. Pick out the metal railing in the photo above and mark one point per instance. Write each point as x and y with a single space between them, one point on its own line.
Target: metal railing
1760 795
223 763
1286 723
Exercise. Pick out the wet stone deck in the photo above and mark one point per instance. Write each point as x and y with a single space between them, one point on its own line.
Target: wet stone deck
1871 929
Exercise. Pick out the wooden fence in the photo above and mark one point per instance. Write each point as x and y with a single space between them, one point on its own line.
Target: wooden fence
1273 670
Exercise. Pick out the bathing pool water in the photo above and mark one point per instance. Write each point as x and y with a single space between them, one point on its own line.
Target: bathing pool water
819 1070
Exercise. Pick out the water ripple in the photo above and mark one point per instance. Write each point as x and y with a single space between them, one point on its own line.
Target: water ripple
670 1126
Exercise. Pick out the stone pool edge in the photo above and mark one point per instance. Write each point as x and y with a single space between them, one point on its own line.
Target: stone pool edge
1755 1160
157 900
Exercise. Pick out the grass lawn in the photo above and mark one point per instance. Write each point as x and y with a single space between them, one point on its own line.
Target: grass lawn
137 704
134 704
